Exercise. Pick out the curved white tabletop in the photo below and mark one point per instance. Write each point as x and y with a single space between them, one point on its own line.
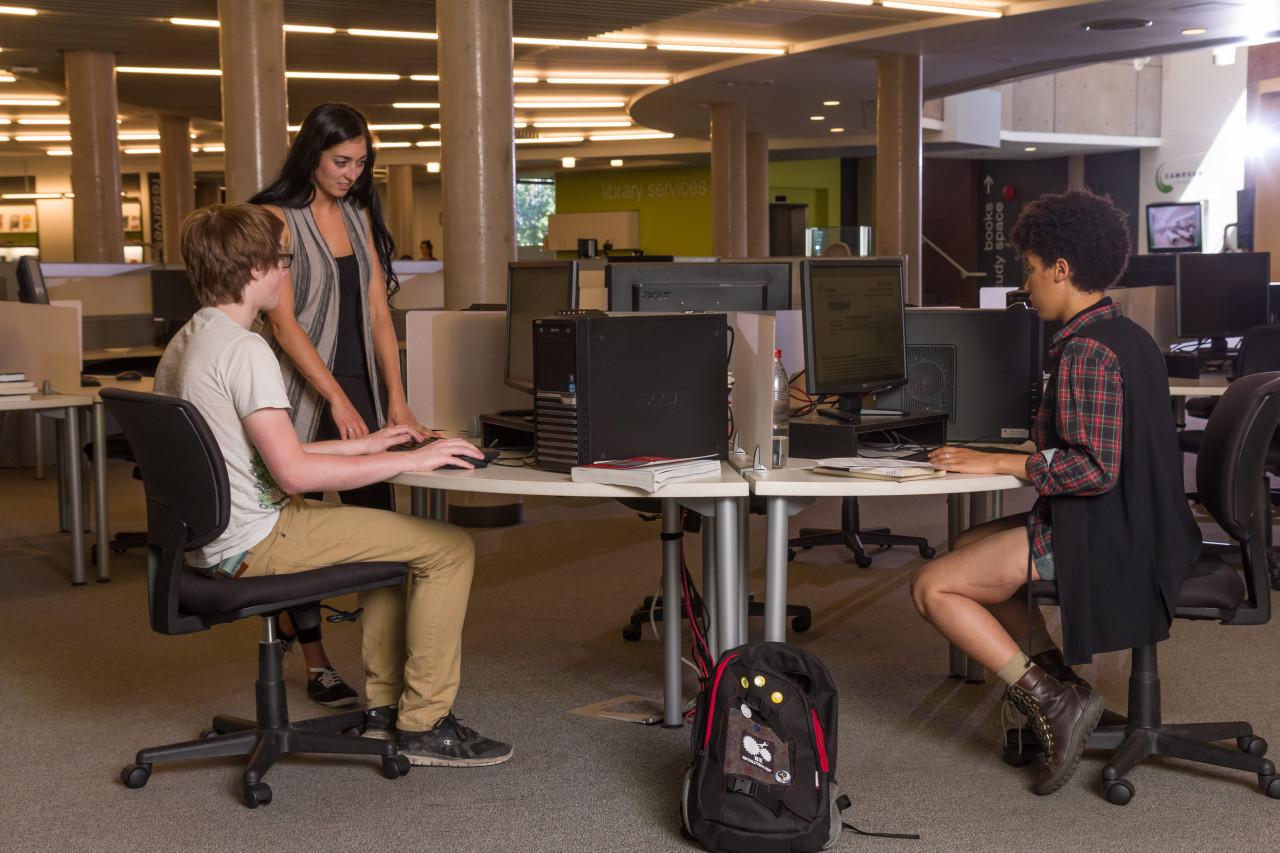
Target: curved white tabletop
526 480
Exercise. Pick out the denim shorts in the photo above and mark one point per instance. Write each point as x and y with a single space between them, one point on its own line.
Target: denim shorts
1044 565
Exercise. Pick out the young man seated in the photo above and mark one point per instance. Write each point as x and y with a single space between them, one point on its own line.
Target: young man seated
1111 524
412 637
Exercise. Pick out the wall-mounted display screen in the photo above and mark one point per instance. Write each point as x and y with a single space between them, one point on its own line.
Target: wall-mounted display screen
1175 227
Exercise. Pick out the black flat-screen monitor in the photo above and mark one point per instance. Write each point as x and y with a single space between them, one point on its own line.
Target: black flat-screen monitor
1221 296
982 368
852 319
677 287
173 302
31 286
1149 271
1175 226
534 289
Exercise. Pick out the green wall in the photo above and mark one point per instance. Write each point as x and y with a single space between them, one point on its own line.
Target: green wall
675 203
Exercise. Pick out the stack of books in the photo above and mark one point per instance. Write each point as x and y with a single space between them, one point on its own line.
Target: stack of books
14 387
871 468
646 472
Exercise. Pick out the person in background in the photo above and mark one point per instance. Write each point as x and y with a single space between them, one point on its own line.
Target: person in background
1111 524
425 251
332 327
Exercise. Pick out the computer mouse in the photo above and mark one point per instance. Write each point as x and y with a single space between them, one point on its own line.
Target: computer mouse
87 381
128 376
489 456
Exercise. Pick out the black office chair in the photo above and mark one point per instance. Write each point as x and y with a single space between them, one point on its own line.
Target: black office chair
1227 473
855 537
188 505
31 286
118 448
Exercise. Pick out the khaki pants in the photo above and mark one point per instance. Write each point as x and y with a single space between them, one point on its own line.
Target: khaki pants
412 638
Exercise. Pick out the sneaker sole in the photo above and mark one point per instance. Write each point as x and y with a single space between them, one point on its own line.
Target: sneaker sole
377 735
434 761
337 703
1079 735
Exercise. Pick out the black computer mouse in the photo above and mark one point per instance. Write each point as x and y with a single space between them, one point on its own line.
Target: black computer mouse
128 376
489 456
87 381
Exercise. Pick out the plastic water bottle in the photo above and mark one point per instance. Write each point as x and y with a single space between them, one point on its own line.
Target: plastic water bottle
781 413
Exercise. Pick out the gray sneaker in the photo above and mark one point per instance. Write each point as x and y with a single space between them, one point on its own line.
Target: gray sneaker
327 688
450 744
380 722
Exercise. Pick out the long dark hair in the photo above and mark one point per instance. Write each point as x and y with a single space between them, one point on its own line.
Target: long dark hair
323 128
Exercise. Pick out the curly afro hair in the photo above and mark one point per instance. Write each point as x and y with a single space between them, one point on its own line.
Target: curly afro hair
1085 230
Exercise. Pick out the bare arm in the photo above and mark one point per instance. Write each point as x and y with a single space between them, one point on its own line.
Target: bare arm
964 460
385 347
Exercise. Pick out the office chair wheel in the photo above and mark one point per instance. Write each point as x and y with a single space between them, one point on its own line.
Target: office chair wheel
862 561
927 552
1270 786
395 766
791 556
135 775
1252 744
631 633
208 733
257 794
802 623
1119 791
1020 753
353 731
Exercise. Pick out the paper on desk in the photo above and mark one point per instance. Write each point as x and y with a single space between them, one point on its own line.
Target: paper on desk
869 462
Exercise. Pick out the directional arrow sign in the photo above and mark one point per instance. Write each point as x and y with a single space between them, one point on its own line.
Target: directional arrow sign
987 182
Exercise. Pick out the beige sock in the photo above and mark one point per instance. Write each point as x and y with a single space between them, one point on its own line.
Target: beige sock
1014 668
1039 640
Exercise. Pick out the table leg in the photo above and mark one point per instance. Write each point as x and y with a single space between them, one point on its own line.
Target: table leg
955 524
672 698
775 568
729 594
75 521
418 501
710 588
744 554
437 504
99 413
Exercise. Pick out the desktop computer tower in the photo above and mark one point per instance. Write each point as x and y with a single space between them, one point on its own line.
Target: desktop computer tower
614 387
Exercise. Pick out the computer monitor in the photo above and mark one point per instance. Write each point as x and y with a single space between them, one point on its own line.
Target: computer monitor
31 287
852 318
534 289
981 367
1175 226
728 286
173 302
1149 271
1221 296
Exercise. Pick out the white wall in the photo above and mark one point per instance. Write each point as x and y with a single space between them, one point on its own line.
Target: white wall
1201 156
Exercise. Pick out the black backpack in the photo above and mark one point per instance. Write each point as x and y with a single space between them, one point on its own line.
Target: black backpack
764 754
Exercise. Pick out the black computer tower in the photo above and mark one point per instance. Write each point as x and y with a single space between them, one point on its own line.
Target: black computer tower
614 387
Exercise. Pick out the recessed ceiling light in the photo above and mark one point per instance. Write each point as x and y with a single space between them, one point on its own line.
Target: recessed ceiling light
142 69
425 78
391 145
567 105
723 48
583 123
1195 31
552 139
604 81
433 167
413 105
29 102
568 162
615 162
817 118
50 120
831 103
339 75
59 152
142 150
394 34
1113 24
618 137
620 45
942 10
837 130
17 10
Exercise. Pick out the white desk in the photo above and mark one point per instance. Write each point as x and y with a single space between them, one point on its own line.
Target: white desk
1213 385
718 496
69 466
788 490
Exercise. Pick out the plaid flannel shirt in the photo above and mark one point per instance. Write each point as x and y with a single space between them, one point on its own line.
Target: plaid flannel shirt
1082 404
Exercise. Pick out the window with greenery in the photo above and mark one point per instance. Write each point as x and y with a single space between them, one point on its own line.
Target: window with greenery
535 201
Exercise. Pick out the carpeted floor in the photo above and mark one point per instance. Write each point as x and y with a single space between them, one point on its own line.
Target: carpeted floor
84 683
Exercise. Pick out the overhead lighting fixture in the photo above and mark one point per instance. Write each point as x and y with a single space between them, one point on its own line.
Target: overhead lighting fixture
817 118
5 121
619 45
394 34
567 105
391 145
568 162
395 127
50 120
582 123
942 10
214 149
142 150
17 10
1029 148
413 105
433 167
194 22
611 81
137 137
339 75
425 78
831 103
520 124
619 137
59 152
837 130
142 69
8 78
30 102
723 48
435 126
848 2
3 138
549 139
43 137
29 196
305 28
1195 31
428 143
615 162
524 79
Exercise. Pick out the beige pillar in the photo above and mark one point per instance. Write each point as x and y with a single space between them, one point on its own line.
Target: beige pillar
177 182
208 191
1075 172
95 156
728 180
399 209
477 152
898 164
254 104
757 195
1266 170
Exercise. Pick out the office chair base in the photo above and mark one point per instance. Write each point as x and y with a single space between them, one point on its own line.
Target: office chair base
857 541
801 616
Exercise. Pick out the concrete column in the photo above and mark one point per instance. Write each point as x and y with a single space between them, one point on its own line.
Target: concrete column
255 118
1075 172
399 208
757 195
95 156
208 191
898 164
477 150
177 182
729 180
1266 170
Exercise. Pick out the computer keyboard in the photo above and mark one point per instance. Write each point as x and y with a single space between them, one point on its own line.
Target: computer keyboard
489 454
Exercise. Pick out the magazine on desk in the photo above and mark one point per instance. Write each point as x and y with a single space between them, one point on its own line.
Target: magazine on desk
871 468
646 472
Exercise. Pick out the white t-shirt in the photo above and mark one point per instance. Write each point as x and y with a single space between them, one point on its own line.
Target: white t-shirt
229 372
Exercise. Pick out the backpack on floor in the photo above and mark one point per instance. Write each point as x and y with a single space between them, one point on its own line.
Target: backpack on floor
764 754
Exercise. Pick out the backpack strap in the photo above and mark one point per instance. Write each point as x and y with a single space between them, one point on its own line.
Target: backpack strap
752 788
843 802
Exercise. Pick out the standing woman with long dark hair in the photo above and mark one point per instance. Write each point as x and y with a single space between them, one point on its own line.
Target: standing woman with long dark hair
332 328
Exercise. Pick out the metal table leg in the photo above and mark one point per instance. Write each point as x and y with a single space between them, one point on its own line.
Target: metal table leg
75 520
728 631
710 588
672 698
99 415
775 567
955 524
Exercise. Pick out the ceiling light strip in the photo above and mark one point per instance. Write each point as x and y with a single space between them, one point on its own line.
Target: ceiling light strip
942 10
723 48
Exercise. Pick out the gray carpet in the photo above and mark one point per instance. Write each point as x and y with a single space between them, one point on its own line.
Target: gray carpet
84 683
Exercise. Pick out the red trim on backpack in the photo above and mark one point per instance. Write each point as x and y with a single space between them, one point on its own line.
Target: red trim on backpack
706 738
822 741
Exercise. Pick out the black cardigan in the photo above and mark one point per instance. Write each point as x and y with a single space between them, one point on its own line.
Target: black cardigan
1121 557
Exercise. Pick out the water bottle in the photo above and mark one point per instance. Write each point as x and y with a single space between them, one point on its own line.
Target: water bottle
781 412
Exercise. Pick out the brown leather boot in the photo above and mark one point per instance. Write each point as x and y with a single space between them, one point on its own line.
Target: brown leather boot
1062 717
1052 662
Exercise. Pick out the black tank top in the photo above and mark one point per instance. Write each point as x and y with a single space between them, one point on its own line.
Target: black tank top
348 357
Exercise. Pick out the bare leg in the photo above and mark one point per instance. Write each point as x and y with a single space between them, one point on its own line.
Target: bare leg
313 653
